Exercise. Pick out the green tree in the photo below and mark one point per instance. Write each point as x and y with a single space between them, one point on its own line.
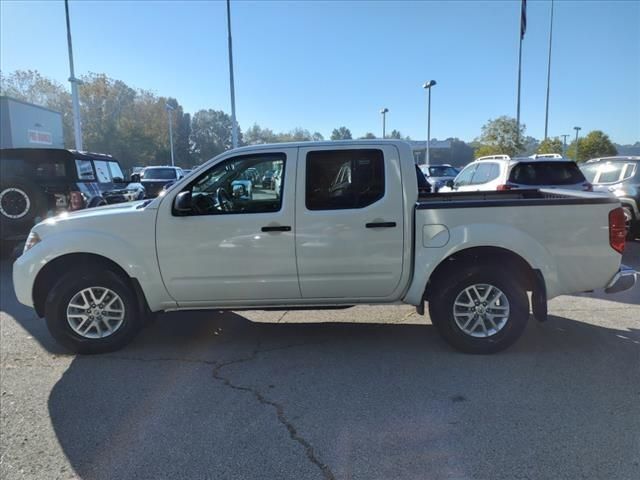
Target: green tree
501 136
317 137
550 145
210 134
595 144
395 134
342 133
368 136
256 135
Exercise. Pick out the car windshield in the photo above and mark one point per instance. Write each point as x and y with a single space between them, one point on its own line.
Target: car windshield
158 174
546 173
442 171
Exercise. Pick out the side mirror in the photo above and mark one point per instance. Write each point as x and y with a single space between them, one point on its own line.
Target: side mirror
135 178
119 180
450 184
182 202
239 191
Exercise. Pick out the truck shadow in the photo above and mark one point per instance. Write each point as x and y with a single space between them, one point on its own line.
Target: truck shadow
204 395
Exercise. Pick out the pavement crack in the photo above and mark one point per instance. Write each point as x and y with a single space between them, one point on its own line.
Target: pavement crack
263 400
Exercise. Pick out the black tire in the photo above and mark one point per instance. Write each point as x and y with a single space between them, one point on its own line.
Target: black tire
97 202
63 292
448 286
22 201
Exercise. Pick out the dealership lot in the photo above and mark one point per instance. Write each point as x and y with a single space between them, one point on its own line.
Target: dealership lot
212 396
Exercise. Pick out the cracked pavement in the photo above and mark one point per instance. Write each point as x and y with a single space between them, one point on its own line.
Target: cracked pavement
211 395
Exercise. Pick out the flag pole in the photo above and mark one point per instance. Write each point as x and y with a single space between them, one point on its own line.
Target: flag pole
546 113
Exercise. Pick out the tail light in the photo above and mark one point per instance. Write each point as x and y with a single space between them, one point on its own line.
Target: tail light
504 187
76 201
617 229
587 187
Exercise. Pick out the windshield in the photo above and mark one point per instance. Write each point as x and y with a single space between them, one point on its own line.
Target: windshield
546 173
158 174
442 171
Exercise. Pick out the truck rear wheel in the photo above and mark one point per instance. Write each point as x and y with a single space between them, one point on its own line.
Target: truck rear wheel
481 309
92 312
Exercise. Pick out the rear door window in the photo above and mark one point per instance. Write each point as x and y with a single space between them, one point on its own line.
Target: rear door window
341 179
546 173
84 168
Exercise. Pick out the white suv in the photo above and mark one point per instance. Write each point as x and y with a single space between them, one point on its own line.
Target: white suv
501 172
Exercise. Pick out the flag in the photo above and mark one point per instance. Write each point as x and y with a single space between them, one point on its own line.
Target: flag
523 19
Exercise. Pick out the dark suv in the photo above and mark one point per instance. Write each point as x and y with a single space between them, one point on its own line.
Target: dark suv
39 182
619 176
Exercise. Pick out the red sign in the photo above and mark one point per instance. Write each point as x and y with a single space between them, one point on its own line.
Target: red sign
40 137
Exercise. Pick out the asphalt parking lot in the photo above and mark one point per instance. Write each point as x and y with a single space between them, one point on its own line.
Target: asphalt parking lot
215 396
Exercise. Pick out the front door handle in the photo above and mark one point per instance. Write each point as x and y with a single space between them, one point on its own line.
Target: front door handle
276 229
381 225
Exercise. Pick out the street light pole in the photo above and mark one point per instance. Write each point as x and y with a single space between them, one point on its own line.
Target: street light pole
428 85
564 144
234 125
77 126
169 110
546 113
577 129
384 112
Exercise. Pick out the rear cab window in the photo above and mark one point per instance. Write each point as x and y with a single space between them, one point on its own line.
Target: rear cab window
344 179
159 173
546 173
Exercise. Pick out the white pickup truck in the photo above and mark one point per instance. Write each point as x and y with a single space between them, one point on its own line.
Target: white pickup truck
347 226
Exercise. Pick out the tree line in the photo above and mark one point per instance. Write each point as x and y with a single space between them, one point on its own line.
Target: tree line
131 124
502 136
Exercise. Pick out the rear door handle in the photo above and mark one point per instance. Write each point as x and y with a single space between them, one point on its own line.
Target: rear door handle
381 225
276 229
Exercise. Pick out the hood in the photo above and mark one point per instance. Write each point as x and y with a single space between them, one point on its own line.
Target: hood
97 215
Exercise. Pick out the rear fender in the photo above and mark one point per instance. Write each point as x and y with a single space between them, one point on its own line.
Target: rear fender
468 236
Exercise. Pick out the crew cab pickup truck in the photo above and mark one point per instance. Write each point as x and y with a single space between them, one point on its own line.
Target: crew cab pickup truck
346 227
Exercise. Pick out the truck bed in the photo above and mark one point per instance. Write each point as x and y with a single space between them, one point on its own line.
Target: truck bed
511 198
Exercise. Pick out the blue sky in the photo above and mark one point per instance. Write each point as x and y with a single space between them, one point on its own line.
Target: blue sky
319 65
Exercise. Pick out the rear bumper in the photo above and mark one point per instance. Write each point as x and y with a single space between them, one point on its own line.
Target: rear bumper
623 280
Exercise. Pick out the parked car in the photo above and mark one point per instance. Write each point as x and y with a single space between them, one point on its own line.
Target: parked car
349 228
267 179
155 178
501 172
439 175
39 182
619 176
277 182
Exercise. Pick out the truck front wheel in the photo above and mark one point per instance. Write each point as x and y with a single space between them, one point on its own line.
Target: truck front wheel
479 309
92 311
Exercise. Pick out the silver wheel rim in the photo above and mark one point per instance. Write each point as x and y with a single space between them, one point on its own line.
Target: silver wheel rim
481 310
95 312
12 191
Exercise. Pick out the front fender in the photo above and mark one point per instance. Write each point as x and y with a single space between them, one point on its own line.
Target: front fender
139 261
468 236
